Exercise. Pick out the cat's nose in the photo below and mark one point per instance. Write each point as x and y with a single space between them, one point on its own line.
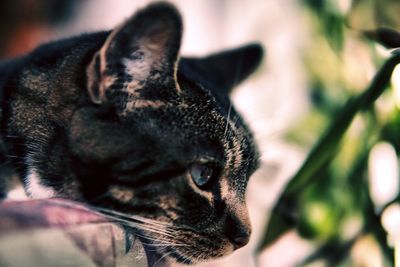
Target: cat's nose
240 241
237 232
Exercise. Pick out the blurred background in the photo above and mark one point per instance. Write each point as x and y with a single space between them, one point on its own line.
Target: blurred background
341 207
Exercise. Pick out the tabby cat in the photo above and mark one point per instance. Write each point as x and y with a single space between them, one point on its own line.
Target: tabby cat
119 121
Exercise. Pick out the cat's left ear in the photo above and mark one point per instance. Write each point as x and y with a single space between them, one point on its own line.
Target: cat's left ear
223 70
141 53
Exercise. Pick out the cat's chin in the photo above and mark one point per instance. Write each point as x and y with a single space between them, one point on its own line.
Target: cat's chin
195 250
197 254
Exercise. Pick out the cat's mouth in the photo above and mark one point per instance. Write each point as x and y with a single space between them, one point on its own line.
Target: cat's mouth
181 244
189 247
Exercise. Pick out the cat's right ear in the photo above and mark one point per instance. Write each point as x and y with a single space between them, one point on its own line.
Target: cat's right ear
226 69
140 52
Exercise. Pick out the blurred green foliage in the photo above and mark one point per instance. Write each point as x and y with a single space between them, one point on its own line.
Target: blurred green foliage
328 200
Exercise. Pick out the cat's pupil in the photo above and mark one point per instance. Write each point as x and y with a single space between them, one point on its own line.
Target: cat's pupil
201 174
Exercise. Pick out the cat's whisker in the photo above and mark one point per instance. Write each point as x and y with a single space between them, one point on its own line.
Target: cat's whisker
161 244
227 122
167 254
134 217
151 246
163 241
185 259
237 72
235 120
12 156
164 245
10 136
193 256
144 227
231 129
150 221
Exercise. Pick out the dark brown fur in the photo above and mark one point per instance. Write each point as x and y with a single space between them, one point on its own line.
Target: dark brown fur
115 120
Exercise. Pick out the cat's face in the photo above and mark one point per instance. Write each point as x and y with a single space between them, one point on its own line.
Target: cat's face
182 162
159 141
186 164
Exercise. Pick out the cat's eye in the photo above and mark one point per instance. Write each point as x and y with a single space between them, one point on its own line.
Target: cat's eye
202 173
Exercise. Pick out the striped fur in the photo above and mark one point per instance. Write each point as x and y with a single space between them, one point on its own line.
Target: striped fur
116 120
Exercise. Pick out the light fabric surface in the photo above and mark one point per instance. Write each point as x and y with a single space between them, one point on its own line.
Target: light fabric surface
62 233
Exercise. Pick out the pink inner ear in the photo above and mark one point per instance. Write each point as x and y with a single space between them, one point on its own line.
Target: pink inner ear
93 81
146 45
140 63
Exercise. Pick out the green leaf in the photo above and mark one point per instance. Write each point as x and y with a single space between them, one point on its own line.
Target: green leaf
323 153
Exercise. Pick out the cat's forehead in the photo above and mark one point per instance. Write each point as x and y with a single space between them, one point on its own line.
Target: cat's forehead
196 126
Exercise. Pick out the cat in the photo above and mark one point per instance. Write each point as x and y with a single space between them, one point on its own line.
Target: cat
118 120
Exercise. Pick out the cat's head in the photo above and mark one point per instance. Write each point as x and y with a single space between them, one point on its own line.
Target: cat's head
155 136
